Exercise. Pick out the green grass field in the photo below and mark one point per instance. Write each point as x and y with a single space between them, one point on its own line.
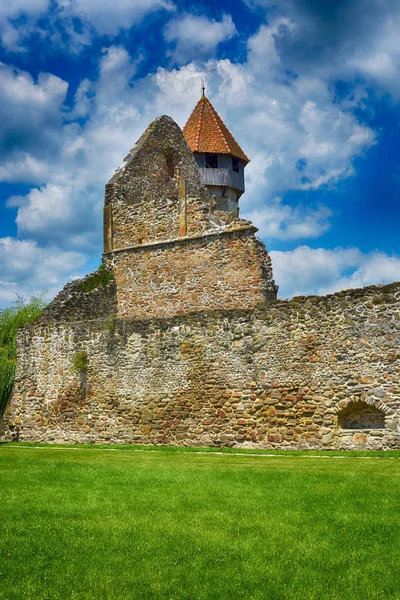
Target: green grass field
121 523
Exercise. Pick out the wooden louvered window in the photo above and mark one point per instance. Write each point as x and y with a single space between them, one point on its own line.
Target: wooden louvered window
211 161
235 164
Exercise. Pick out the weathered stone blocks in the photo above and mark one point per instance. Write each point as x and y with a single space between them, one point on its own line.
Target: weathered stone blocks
188 380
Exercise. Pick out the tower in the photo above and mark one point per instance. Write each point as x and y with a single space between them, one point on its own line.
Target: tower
220 159
168 243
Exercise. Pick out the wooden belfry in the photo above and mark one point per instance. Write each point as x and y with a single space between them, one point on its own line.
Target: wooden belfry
220 159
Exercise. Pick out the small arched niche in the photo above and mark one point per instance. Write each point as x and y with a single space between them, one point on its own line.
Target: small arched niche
360 415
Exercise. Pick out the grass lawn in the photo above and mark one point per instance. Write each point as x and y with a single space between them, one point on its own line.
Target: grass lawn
113 524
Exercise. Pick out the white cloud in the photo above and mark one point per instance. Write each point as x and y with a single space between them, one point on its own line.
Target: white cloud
101 17
302 138
356 39
21 167
65 212
373 268
194 36
26 269
14 8
110 17
31 123
283 222
12 34
296 135
319 271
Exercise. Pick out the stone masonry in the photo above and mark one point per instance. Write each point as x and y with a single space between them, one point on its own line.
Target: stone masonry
167 254
184 342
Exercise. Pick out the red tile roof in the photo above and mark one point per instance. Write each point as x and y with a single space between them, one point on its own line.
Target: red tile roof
205 131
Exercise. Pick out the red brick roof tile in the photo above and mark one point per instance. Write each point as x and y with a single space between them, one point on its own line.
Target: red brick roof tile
205 131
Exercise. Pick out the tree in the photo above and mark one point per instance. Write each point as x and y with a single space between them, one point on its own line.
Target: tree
11 319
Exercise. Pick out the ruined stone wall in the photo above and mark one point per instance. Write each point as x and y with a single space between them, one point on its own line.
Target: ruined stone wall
229 269
279 376
168 249
142 202
89 298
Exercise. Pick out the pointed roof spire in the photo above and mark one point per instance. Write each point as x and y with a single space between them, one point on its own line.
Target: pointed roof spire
205 131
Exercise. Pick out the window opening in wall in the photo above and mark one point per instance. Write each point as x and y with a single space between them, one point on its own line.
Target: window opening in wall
360 415
211 161
169 159
235 164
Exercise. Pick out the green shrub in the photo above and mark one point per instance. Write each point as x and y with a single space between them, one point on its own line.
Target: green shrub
80 361
99 279
11 319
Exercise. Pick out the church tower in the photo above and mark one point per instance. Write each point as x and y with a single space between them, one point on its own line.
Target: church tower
175 245
220 159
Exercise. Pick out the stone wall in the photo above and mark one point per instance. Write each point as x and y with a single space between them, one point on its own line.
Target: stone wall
279 375
227 269
142 203
169 250
89 298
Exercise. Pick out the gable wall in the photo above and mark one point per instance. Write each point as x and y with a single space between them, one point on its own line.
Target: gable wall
142 198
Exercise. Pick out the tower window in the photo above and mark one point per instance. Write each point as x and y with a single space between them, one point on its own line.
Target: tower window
235 164
211 161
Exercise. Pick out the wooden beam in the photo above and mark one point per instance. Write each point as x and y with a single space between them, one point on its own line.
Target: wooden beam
182 208
108 229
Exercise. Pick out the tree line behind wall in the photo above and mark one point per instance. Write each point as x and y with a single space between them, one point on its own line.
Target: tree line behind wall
11 319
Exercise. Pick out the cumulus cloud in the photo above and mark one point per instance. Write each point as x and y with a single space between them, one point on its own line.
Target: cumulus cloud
339 40
77 160
31 123
14 8
319 271
306 139
109 18
284 222
297 135
68 216
27 269
18 20
76 20
194 36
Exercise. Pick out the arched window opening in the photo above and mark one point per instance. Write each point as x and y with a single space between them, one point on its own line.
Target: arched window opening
360 415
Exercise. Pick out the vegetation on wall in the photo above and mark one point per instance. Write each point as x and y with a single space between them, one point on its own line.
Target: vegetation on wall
11 319
99 278
80 361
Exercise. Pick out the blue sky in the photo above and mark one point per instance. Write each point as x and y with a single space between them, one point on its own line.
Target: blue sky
310 89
